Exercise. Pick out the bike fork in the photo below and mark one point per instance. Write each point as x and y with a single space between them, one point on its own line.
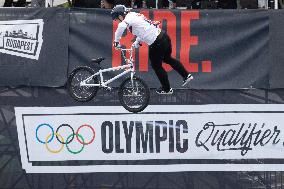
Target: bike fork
132 76
132 83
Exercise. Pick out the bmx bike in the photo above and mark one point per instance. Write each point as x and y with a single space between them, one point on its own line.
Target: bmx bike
83 83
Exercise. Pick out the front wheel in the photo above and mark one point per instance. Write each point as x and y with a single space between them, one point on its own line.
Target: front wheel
78 92
134 94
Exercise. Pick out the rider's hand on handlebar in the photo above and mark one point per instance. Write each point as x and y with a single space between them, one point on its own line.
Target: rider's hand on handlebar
116 45
136 44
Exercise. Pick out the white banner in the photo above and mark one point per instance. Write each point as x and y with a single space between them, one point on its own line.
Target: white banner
160 132
53 3
22 38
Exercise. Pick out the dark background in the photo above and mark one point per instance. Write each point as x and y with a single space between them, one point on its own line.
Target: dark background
238 42
51 67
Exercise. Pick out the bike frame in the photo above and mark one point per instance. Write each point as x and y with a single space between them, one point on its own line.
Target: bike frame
128 68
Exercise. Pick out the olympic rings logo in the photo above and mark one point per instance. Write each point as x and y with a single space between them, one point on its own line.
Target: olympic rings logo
61 140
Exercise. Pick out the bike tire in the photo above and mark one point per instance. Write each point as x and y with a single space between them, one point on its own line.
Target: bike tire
144 93
82 93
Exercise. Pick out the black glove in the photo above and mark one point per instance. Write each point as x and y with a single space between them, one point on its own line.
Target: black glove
116 44
136 44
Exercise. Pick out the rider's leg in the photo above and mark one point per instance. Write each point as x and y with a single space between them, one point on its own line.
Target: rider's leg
174 63
156 54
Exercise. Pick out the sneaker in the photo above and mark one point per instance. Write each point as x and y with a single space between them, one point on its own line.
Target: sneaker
187 79
162 91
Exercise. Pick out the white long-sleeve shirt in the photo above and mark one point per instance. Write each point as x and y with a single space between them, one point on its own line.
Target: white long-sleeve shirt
140 26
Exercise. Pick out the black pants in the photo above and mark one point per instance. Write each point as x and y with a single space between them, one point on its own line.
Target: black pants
160 51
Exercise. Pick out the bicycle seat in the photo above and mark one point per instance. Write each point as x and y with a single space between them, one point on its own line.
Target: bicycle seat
98 60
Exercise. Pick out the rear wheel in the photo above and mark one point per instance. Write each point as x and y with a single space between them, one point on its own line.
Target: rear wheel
78 92
134 94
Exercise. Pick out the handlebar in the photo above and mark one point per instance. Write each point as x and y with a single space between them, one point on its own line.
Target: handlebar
120 48
124 54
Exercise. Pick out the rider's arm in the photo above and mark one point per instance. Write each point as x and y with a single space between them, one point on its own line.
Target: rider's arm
119 31
138 40
137 43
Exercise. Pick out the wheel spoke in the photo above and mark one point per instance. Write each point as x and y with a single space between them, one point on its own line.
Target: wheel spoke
82 93
134 95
